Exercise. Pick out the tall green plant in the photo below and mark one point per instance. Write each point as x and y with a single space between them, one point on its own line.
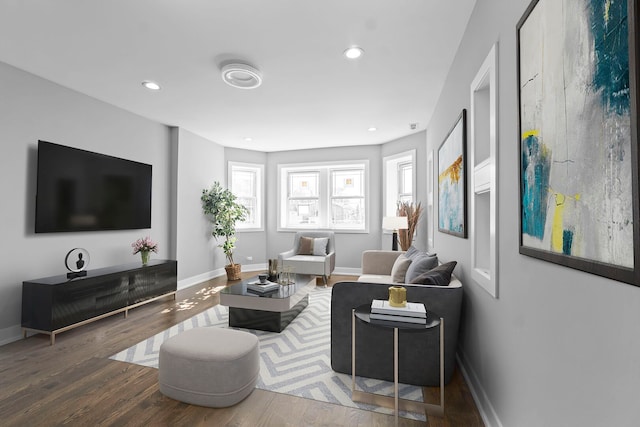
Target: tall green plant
220 205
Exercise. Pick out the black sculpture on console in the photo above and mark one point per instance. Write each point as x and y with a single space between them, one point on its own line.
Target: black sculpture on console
80 264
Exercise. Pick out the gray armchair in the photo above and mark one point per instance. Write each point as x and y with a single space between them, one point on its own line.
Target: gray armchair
419 358
319 264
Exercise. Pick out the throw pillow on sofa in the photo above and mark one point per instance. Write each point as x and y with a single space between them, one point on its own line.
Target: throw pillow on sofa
421 263
412 252
399 269
439 276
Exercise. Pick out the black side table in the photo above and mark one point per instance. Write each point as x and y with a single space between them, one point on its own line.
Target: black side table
362 313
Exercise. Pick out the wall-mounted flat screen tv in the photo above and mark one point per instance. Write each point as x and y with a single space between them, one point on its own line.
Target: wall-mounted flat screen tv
81 190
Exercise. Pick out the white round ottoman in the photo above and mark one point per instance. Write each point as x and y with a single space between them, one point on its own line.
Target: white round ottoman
213 367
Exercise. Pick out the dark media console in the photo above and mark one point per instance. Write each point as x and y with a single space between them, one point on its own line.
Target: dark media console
56 304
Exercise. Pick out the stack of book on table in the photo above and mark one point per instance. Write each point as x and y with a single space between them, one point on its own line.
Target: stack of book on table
413 312
256 286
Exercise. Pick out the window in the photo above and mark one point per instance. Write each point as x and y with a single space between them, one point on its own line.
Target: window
405 182
399 180
245 182
303 200
328 196
347 198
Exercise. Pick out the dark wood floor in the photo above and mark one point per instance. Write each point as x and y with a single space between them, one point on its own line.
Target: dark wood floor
74 383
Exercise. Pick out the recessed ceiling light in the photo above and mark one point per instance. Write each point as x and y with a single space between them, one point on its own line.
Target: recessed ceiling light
241 76
372 129
151 85
353 52
248 139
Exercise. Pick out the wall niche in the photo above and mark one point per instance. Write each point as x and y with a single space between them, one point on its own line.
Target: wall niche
484 166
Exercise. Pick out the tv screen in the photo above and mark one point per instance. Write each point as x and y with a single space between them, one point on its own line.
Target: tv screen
80 190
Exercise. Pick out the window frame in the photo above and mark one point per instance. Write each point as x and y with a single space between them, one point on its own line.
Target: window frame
289 197
401 167
391 179
258 169
363 197
325 170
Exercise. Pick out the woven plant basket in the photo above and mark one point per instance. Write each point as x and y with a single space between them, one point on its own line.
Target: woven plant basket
233 271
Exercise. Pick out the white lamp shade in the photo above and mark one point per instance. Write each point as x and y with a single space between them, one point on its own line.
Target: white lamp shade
394 223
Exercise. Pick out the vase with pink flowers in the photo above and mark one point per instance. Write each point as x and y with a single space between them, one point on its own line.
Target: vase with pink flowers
144 246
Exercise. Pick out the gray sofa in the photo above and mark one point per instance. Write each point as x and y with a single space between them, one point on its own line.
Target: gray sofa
419 356
377 265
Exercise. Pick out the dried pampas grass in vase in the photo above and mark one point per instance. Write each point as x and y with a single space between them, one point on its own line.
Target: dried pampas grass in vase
412 213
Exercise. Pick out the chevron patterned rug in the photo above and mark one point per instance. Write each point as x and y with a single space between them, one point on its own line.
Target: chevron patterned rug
296 361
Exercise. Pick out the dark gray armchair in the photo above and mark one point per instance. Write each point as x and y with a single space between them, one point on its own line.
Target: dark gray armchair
419 355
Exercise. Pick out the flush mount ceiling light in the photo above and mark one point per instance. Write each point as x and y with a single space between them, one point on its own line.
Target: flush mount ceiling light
241 76
353 52
151 85
372 129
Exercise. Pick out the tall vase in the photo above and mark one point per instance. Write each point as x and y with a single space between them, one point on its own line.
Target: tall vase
273 270
145 257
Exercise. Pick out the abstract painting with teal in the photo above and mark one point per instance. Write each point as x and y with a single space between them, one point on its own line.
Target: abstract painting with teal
536 166
609 28
576 132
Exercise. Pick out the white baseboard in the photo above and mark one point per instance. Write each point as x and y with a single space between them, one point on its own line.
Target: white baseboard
197 279
488 414
194 280
254 267
348 271
10 334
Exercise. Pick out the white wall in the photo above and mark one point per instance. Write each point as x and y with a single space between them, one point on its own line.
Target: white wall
200 163
559 347
349 246
263 245
415 141
30 109
251 246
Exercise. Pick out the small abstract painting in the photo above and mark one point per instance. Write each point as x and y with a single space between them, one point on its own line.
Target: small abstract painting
452 177
576 155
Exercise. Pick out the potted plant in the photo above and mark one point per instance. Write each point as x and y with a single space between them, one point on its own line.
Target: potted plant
413 215
222 209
